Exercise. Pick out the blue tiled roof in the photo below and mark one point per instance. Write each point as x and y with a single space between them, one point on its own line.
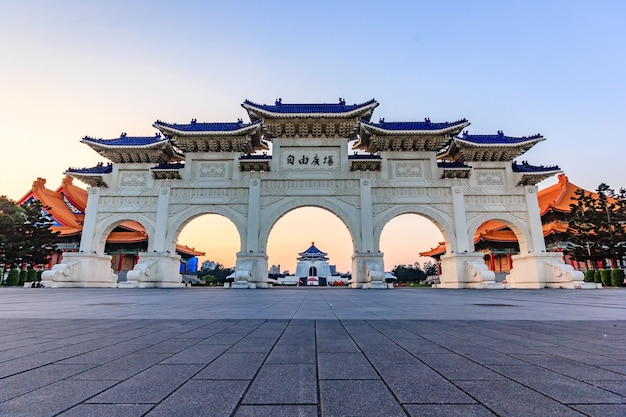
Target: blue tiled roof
452 165
177 165
498 138
526 167
312 250
425 125
280 107
194 126
125 140
98 169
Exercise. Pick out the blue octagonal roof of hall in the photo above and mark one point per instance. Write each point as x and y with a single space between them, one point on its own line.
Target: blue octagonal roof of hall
312 252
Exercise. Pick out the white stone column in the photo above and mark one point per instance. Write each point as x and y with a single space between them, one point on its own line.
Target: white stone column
162 220
89 222
254 207
367 224
538 243
460 221
251 265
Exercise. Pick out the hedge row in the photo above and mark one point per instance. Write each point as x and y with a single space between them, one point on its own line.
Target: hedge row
606 277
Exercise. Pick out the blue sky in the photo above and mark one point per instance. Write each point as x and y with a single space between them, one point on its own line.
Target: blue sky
75 68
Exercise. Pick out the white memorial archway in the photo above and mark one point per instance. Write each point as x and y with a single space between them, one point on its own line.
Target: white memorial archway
454 179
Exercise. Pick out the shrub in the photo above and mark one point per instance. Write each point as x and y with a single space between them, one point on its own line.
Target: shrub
39 272
605 276
14 277
23 274
589 275
596 277
31 275
617 277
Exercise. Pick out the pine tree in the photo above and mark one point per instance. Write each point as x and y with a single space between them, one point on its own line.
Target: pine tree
596 226
39 240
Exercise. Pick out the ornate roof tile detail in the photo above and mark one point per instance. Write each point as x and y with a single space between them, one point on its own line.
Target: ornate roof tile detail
125 149
496 147
324 120
407 136
367 162
340 109
214 136
95 176
454 169
170 171
258 163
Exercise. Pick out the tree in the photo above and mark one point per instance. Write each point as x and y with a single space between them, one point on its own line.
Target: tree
596 229
25 234
409 273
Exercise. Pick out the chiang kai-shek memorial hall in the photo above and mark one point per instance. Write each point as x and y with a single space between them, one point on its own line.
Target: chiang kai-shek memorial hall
331 156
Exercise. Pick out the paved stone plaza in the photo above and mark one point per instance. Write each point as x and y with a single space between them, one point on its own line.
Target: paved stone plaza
312 352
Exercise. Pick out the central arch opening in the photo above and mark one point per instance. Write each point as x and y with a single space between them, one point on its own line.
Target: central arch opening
295 234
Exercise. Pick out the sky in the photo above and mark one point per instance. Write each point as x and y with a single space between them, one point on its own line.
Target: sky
89 68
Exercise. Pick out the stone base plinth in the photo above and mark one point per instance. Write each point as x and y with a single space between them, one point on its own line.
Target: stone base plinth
155 270
79 269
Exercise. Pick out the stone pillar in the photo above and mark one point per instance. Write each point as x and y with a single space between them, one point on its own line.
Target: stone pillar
368 270
251 270
79 269
162 219
545 270
537 243
367 225
466 270
89 223
251 265
154 270
460 222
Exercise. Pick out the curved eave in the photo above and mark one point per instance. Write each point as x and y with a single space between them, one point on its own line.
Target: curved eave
525 144
453 129
93 180
534 178
251 129
110 146
257 113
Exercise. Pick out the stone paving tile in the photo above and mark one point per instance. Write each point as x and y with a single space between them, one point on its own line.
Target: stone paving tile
284 384
573 369
417 383
349 398
149 386
121 368
202 398
602 410
25 382
277 411
386 353
345 366
253 345
284 353
456 367
102 355
197 354
446 410
508 398
562 388
172 345
233 366
343 345
108 410
52 399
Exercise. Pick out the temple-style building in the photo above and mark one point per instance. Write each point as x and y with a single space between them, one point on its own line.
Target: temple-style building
66 207
457 180
313 267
